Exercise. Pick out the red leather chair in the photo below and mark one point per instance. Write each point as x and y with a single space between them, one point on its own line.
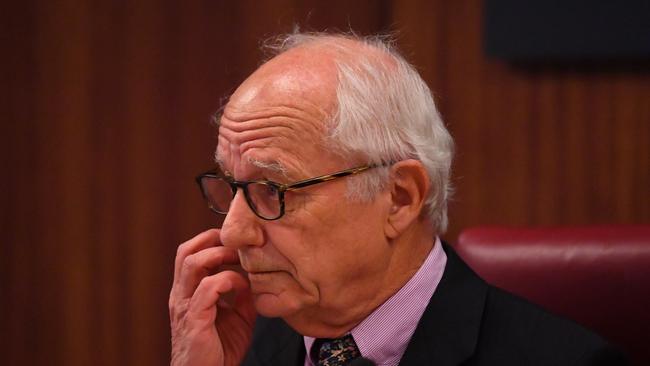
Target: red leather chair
598 276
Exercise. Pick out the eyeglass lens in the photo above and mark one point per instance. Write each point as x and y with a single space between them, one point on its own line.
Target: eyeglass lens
263 198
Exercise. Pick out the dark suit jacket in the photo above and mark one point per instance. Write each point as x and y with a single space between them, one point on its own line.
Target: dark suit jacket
467 322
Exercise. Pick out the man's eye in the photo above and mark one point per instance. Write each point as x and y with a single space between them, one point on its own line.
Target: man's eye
268 191
271 190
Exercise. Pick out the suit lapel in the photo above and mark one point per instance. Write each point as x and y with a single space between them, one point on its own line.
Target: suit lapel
448 330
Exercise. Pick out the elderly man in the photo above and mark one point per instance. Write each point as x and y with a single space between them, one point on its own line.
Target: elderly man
334 178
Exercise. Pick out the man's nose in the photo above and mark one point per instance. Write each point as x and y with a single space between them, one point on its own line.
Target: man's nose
241 227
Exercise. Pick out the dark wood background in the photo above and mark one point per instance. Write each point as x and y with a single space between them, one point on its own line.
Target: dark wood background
105 111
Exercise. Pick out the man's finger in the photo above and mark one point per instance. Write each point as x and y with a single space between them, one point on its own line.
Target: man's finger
199 265
206 239
213 287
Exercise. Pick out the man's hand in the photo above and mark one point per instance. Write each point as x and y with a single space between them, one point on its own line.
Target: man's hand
205 329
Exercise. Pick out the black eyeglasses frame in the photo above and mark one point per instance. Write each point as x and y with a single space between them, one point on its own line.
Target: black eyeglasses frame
280 187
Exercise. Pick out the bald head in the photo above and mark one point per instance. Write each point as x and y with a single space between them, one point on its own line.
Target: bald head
292 97
303 73
307 71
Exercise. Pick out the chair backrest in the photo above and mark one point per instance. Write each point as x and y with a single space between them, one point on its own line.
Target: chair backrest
598 276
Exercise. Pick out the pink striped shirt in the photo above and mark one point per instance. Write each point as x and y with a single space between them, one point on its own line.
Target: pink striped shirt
384 335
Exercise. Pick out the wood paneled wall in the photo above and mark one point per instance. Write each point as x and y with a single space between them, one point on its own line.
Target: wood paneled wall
105 121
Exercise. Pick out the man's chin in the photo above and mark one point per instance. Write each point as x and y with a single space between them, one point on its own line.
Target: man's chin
273 306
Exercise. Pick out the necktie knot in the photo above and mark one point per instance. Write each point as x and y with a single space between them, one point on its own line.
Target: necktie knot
338 351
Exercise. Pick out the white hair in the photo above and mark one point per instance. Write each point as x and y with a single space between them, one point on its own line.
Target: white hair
385 113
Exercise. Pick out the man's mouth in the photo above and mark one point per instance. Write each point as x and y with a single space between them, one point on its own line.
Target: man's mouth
258 268
260 272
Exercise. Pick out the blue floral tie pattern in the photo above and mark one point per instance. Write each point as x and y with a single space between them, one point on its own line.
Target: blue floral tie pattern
337 352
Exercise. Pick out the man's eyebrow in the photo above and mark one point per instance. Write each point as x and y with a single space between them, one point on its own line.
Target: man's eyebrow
274 166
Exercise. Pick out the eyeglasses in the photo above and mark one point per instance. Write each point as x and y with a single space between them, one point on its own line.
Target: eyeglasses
264 197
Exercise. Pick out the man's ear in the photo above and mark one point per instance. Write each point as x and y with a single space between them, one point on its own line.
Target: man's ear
409 187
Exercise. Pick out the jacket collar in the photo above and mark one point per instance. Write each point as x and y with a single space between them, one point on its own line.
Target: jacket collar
275 343
449 328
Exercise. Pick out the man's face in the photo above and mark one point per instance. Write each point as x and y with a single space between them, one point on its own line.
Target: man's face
327 256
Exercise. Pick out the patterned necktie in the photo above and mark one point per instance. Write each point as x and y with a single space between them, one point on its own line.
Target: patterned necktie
337 352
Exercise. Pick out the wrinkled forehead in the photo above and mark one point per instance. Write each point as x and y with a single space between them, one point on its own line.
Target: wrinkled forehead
279 115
